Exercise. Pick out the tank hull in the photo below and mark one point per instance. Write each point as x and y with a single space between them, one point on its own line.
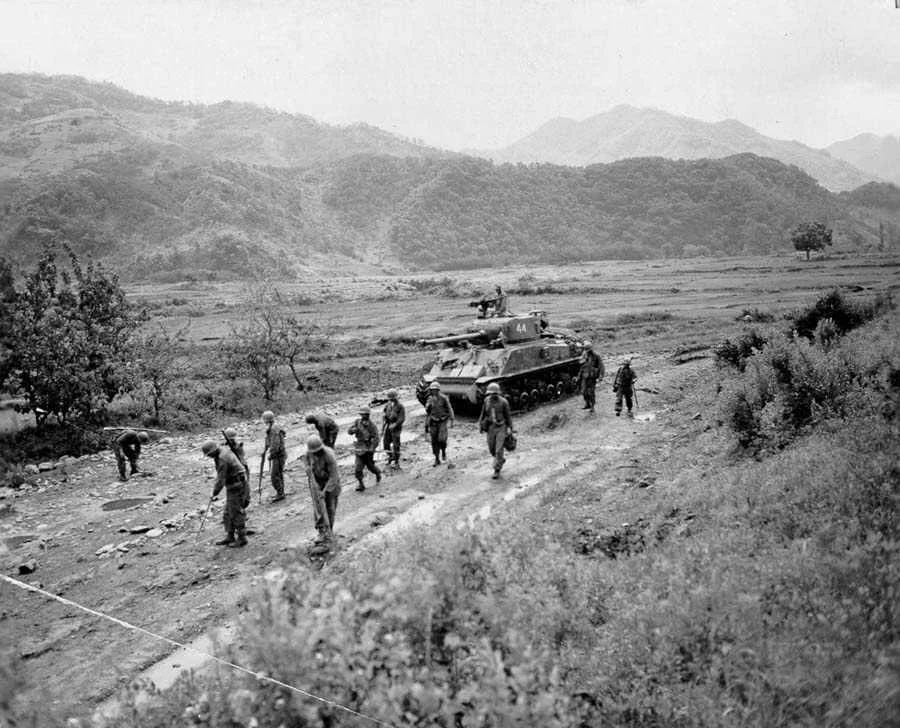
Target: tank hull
528 374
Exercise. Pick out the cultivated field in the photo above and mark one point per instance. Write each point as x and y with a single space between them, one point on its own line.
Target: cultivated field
575 474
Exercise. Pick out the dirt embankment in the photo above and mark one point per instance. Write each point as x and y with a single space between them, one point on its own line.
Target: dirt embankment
134 550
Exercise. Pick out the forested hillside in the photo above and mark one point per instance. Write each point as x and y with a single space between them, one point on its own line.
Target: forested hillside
166 191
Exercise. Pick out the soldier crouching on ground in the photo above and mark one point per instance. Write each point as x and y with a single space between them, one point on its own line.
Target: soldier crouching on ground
496 421
438 418
127 449
365 446
623 386
230 474
394 417
277 454
324 484
325 426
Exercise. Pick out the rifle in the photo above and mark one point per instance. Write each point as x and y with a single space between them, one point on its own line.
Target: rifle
262 467
205 514
318 498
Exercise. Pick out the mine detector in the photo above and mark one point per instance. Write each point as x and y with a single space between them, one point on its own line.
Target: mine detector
531 362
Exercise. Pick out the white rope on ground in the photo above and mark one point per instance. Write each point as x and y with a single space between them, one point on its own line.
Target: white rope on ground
239 668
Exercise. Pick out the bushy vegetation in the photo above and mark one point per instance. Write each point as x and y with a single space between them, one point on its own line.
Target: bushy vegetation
795 381
67 343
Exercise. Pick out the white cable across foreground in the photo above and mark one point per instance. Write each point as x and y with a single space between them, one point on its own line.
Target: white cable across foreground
135 628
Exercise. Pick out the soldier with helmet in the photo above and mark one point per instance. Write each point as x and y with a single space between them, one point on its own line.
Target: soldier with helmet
325 478
496 421
325 426
365 446
438 417
591 371
231 476
275 448
237 448
127 449
623 386
394 417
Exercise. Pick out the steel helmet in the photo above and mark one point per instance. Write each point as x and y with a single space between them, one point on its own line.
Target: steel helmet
434 385
493 388
364 410
268 416
311 419
314 443
392 394
588 343
143 437
230 433
209 448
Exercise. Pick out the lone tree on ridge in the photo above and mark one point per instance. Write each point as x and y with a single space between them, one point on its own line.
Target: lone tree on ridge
809 236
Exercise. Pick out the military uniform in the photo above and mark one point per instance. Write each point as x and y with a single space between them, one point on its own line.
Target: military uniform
127 449
394 417
591 370
496 421
277 457
231 476
324 469
326 427
238 449
366 443
623 386
438 416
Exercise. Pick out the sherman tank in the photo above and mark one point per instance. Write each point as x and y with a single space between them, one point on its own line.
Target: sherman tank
531 362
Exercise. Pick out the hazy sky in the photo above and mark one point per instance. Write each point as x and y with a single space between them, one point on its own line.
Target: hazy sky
483 73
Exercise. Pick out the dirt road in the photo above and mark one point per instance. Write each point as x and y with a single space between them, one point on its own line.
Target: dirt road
147 564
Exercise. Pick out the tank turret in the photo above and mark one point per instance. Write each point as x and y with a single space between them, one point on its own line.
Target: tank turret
530 361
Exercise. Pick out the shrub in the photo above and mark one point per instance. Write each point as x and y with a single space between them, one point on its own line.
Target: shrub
844 315
735 353
786 387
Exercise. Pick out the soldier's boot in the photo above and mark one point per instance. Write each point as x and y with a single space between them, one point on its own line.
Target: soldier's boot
241 539
437 460
229 539
360 488
444 454
377 476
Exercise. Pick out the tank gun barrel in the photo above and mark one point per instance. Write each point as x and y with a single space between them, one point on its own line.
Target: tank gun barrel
454 339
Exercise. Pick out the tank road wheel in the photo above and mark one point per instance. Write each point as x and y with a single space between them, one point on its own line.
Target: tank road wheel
525 401
560 390
535 396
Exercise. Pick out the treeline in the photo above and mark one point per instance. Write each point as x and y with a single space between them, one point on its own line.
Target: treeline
156 211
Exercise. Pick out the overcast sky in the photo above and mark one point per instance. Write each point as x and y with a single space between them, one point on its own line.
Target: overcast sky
484 73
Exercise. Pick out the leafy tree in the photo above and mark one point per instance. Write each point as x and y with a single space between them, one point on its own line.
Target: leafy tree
271 339
809 236
160 363
69 340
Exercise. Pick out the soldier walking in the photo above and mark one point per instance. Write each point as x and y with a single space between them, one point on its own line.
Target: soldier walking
326 480
230 474
274 446
591 371
127 449
325 426
623 386
365 446
394 417
438 417
496 421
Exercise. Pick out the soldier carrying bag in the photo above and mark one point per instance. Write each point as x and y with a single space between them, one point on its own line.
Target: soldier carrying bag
510 441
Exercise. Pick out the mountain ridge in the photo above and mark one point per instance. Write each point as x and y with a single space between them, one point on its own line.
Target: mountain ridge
628 131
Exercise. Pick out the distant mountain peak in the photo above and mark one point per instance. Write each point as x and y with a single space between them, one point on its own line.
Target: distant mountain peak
627 131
